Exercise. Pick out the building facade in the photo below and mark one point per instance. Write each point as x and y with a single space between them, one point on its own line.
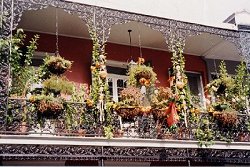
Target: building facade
65 25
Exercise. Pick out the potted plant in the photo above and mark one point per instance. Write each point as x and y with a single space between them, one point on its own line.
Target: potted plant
226 117
129 106
57 65
160 101
47 106
58 85
141 75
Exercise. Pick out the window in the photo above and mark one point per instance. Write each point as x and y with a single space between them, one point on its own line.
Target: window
117 78
37 59
195 85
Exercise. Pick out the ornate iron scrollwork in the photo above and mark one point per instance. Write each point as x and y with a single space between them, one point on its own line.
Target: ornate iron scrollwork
62 152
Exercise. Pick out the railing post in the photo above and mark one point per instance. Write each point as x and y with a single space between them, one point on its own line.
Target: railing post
245 50
5 31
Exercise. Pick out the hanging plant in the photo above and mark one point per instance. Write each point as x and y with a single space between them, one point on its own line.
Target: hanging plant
160 102
47 105
57 65
130 103
58 85
141 75
223 85
20 59
227 117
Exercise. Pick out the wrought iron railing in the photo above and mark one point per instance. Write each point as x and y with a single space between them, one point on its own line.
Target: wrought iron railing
77 120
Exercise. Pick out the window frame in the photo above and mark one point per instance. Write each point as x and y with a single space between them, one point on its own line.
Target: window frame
116 77
200 85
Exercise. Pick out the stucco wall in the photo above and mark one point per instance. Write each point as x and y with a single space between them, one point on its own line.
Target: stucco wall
79 51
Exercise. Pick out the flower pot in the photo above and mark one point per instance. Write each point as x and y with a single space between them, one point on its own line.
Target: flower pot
23 128
57 65
159 114
118 133
128 113
81 132
143 74
226 118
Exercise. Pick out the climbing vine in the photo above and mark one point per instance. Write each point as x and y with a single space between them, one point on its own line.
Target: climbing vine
99 90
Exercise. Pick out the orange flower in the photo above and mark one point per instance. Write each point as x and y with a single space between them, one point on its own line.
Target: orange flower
147 82
142 81
92 68
141 60
97 65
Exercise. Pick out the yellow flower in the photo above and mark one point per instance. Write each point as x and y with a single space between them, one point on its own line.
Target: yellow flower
89 103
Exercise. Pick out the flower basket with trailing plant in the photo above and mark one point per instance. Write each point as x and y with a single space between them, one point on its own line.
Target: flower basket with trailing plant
141 75
226 118
159 101
57 65
129 106
223 85
47 106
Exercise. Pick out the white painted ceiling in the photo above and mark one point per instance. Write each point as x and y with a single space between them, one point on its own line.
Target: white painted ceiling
209 46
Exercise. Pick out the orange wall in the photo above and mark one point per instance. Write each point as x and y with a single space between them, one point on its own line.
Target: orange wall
79 51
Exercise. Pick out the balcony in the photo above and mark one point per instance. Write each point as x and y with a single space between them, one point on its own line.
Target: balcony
79 131
84 124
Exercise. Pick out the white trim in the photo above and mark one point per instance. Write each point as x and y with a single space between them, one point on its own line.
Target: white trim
60 34
114 63
41 55
116 142
114 78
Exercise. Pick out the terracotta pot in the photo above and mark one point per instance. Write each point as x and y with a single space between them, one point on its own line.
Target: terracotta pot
81 132
23 128
118 133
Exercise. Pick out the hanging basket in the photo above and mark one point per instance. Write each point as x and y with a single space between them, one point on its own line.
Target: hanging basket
159 114
57 65
47 106
226 118
128 113
141 75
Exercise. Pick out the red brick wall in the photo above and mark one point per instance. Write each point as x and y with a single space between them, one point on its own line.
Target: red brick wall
79 51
